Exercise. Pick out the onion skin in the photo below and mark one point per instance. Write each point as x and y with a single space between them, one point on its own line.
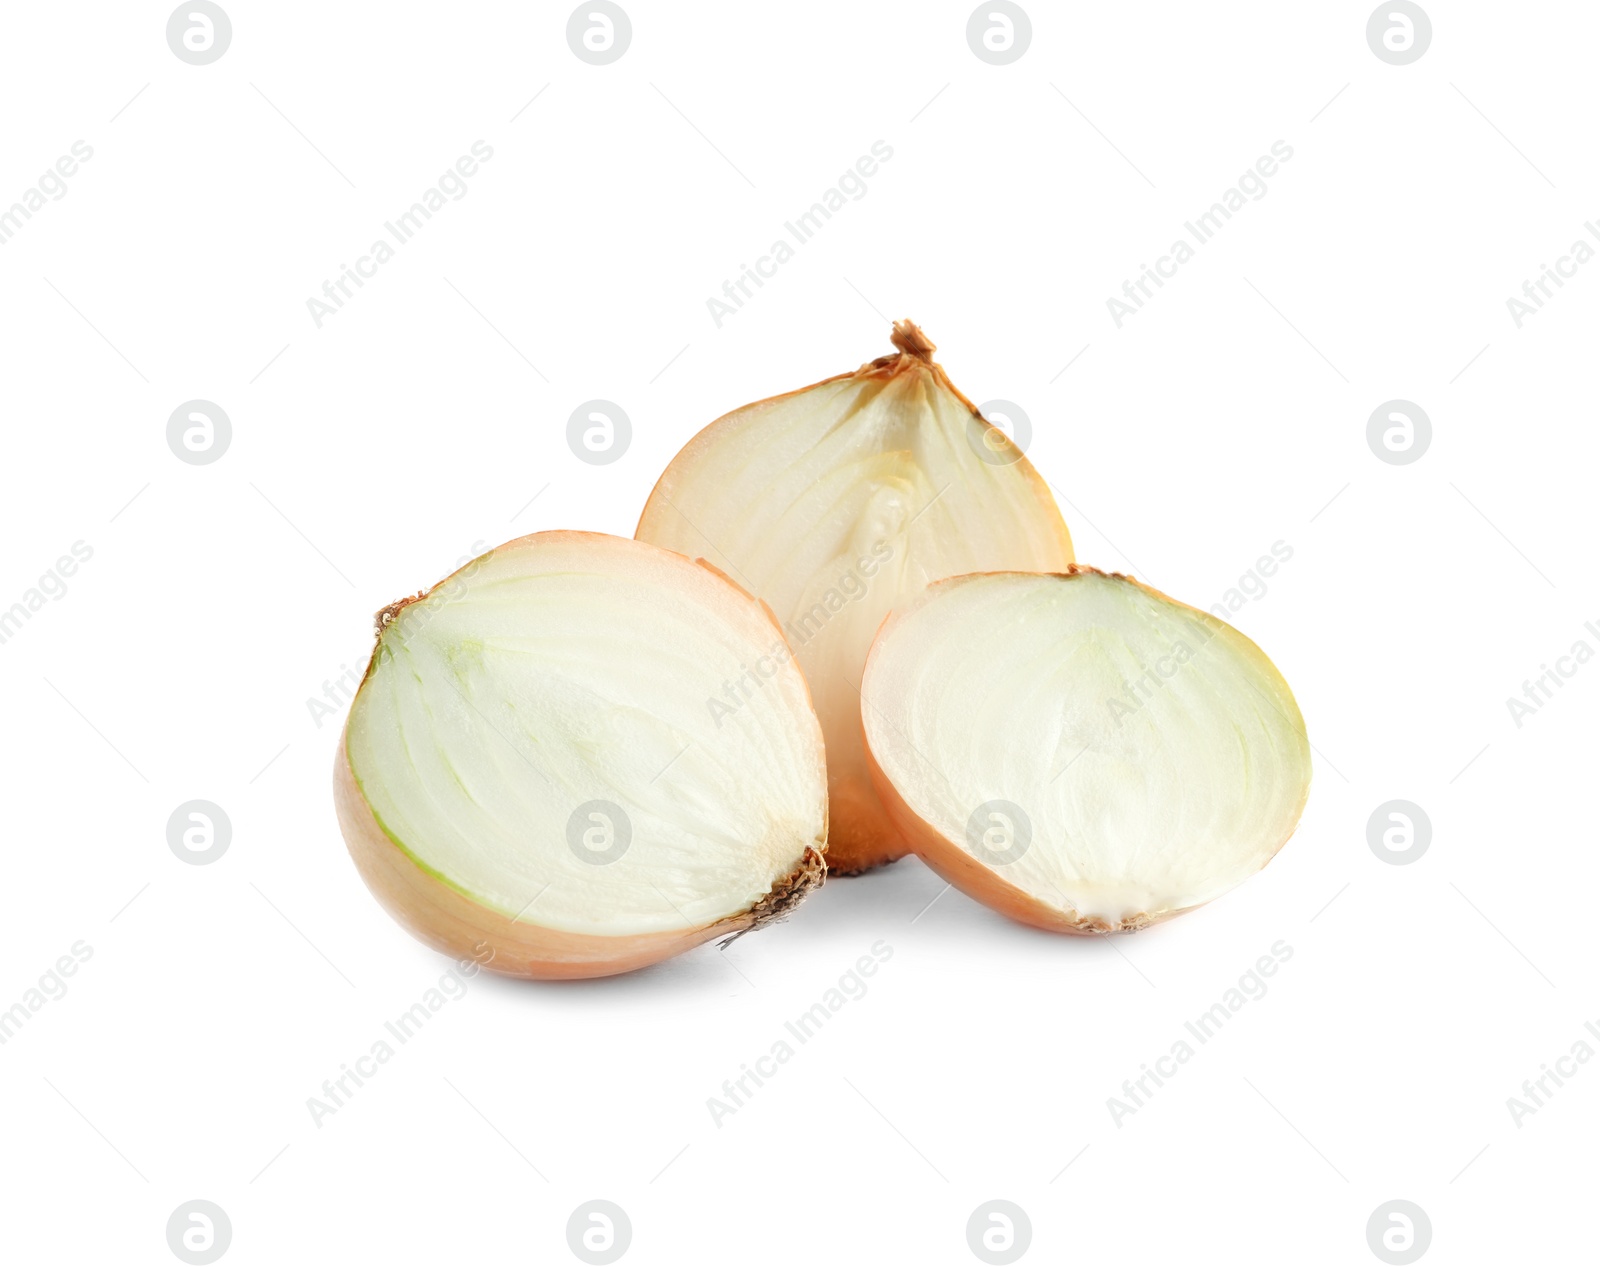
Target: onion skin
862 833
954 864
450 922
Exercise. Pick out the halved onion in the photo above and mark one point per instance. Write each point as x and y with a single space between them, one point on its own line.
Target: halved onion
835 504
532 773
1079 751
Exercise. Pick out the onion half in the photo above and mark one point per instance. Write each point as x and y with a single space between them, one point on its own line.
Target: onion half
837 503
531 767
1079 751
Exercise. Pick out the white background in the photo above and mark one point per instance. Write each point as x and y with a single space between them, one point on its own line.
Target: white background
369 455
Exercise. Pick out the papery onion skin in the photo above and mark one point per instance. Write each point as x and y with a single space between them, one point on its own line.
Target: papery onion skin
862 833
448 920
956 864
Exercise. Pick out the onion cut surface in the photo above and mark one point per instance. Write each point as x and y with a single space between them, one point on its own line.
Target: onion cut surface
1079 751
531 764
835 504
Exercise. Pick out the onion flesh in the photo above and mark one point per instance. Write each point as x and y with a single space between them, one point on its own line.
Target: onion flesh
1079 751
839 502
531 761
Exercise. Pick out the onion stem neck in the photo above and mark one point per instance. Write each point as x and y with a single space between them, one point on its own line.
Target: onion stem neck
909 339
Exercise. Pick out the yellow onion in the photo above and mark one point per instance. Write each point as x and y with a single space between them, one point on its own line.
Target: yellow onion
531 775
1079 751
835 504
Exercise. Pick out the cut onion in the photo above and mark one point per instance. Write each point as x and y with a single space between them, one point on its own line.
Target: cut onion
533 774
1079 751
837 503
